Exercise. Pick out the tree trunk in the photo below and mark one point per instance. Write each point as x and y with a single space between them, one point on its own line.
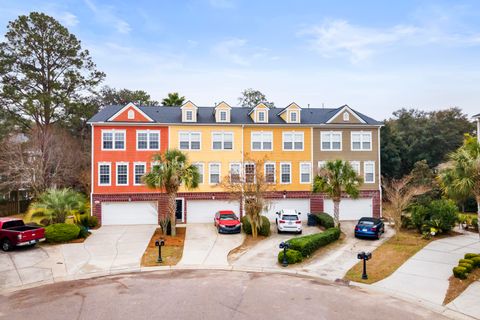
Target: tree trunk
336 213
172 206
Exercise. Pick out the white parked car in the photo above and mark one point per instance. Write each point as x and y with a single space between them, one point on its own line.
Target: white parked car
288 220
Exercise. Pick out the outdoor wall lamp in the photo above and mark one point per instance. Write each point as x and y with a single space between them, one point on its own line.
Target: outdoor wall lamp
284 245
284 194
213 197
364 256
129 199
159 243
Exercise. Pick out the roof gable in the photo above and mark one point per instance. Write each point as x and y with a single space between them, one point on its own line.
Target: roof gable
223 105
344 115
189 105
291 106
130 113
261 105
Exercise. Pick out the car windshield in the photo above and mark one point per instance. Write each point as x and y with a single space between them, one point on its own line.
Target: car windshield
289 217
228 216
366 223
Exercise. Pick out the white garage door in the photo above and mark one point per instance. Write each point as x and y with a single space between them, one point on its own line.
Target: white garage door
301 205
351 209
122 213
203 211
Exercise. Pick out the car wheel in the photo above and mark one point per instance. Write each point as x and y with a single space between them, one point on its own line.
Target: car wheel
6 245
300 232
279 232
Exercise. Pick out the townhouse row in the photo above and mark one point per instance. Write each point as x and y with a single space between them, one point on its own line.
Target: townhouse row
225 142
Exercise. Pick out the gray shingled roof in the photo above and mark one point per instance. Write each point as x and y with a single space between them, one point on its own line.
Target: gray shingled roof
239 115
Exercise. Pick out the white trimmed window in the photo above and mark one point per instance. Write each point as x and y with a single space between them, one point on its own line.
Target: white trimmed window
293 141
104 173
331 141
270 172
305 172
321 164
223 116
113 139
200 168
249 172
261 116
361 141
369 172
131 114
139 170
222 140
294 117
235 172
214 173
189 140
262 140
356 166
122 173
188 115
346 116
148 140
285 172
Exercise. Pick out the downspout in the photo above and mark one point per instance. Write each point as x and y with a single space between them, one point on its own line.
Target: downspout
92 170
380 172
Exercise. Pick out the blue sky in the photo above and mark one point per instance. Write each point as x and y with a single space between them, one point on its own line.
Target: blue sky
376 56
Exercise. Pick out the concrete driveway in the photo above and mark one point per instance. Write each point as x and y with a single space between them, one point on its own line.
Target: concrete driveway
204 246
107 250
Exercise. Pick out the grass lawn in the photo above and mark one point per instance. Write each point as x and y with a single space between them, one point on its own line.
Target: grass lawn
457 286
390 256
171 252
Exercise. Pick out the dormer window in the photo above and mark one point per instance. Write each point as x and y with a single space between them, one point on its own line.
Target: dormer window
189 112
189 115
293 116
223 116
131 114
261 116
346 116
291 113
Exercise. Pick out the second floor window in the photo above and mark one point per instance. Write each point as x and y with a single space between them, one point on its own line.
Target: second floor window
190 140
249 172
305 172
361 141
148 140
139 171
199 167
262 140
235 174
222 141
293 141
122 174
113 140
356 166
104 174
331 141
214 171
285 173
369 172
270 172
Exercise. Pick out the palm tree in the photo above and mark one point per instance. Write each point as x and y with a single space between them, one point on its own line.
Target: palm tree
56 204
173 99
334 178
170 170
462 175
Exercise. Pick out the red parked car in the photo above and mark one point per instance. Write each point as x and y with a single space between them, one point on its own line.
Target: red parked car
14 233
226 221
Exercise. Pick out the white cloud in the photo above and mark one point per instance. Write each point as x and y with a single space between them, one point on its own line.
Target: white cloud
229 51
68 19
107 15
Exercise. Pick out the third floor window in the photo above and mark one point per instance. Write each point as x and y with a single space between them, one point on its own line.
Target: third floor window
148 140
190 140
113 139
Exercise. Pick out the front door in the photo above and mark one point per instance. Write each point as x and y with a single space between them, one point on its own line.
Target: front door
179 209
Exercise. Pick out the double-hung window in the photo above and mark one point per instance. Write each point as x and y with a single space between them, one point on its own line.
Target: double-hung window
189 140
261 116
369 172
293 141
356 166
139 169
305 172
294 116
113 139
214 171
285 172
235 172
122 174
249 172
223 116
222 141
104 173
148 140
262 141
331 141
270 172
199 167
189 115
361 141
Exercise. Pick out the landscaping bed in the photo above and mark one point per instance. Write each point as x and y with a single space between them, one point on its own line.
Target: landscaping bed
171 253
390 256
457 286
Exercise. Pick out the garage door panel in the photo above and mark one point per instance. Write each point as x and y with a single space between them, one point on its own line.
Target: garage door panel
203 211
129 213
351 209
301 205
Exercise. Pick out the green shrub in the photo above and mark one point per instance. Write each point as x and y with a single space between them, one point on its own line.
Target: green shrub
83 232
441 215
325 220
468 267
293 256
460 272
309 244
419 215
475 223
466 261
264 229
92 221
476 261
61 232
471 255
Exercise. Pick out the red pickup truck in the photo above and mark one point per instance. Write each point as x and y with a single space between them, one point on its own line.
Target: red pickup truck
14 233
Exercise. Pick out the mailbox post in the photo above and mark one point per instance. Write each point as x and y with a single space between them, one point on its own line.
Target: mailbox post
364 256
284 245
159 243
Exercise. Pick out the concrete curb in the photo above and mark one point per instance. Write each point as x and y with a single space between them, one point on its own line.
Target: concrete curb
443 310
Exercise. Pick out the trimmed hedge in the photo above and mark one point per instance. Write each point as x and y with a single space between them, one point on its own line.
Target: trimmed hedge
469 261
460 272
325 220
309 244
61 232
476 262
264 229
467 266
293 256
471 255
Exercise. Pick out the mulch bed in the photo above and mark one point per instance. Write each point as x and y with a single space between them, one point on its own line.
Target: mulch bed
457 286
171 253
